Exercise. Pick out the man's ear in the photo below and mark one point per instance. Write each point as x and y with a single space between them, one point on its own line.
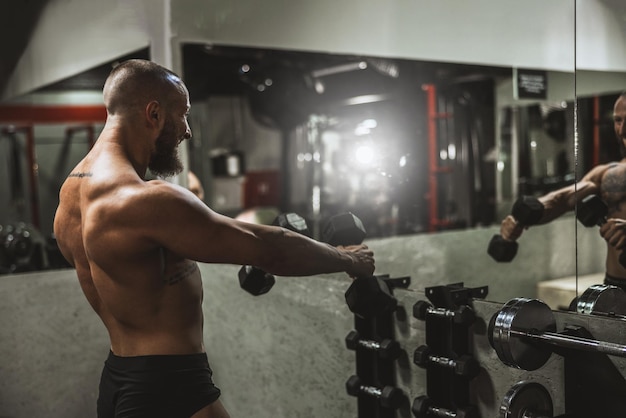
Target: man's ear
154 114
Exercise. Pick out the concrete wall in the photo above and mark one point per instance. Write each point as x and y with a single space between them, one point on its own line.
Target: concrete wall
281 354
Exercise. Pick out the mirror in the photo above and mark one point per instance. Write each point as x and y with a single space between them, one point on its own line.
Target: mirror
415 137
404 144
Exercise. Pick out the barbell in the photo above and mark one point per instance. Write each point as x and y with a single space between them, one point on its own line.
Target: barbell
520 331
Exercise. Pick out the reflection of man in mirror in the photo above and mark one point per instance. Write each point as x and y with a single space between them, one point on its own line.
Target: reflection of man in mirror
607 181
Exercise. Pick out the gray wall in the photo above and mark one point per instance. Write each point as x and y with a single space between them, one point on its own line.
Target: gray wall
281 354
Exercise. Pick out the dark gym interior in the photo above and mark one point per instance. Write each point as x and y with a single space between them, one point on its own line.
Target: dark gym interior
413 128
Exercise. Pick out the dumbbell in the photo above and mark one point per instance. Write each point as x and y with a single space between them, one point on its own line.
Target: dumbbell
369 297
465 365
464 315
592 211
423 407
344 229
527 211
388 396
386 349
258 282
366 296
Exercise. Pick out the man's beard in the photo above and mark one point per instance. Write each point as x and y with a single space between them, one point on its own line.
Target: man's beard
165 161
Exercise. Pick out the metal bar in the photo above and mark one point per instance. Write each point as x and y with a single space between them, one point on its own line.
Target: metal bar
577 343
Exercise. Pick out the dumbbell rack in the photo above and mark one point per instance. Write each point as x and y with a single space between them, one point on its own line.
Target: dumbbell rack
371 368
448 339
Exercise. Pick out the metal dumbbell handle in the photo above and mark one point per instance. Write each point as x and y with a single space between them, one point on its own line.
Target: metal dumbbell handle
422 407
371 390
441 412
577 343
441 312
444 361
369 344
463 314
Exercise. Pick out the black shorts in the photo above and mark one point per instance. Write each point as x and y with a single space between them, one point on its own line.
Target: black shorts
169 386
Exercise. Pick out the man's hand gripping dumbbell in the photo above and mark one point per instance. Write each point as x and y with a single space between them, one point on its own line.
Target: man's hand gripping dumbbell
527 211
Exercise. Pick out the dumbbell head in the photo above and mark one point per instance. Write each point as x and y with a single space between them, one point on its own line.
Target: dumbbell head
352 340
502 250
591 211
344 229
421 356
389 349
292 222
368 297
464 315
527 210
353 385
255 281
420 406
467 366
392 397
420 309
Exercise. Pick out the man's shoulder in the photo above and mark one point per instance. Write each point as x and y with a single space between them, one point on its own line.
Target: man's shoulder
134 197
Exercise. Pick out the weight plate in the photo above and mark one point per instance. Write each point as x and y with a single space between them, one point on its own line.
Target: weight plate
526 399
602 298
523 315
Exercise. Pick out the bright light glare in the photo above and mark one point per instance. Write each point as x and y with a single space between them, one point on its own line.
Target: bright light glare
443 154
403 161
500 165
364 154
361 130
369 123
533 144
451 151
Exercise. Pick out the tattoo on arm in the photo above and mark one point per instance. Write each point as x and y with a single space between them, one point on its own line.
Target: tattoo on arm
81 174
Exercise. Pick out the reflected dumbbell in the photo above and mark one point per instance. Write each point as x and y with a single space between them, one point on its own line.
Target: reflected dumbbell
466 366
423 407
388 396
386 349
592 211
527 211
463 315
527 400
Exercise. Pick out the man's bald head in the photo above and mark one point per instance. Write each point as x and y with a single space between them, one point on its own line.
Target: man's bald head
135 83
